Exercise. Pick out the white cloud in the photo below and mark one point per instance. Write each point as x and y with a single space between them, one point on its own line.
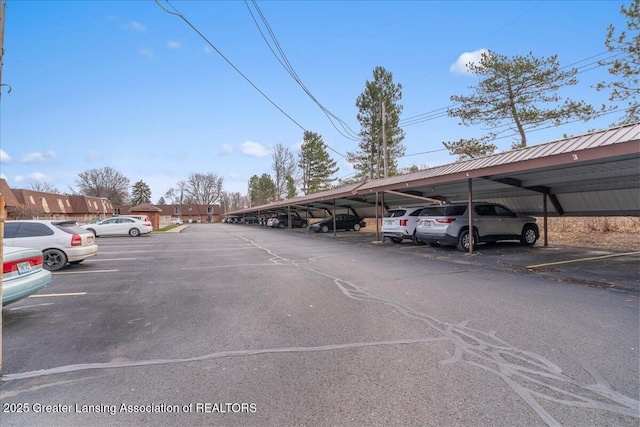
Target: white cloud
39 157
254 149
460 66
226 148
35 176
146 52
136 26
172 44
4 157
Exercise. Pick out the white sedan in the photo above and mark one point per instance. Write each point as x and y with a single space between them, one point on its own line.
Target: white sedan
119 226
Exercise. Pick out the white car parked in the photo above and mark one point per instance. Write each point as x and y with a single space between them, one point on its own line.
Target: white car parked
61 242
119 225
400 224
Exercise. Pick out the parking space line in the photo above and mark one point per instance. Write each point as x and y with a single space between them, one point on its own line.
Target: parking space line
70 294
546 264
84 272
114 259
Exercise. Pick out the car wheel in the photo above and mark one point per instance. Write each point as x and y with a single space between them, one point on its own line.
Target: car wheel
54 259
304 224
464 240
93 231
396 239
529 235
356 227
282 225
134 232
324 228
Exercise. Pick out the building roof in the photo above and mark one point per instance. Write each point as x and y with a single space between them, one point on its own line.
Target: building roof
593 174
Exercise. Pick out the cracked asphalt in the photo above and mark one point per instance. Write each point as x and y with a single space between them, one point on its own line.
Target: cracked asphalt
223 324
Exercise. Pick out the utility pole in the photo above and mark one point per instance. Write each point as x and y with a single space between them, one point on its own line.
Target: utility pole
384 142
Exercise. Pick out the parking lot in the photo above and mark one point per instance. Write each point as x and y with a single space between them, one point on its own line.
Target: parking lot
244 325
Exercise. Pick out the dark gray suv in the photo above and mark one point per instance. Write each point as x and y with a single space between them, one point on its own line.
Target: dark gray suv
448 224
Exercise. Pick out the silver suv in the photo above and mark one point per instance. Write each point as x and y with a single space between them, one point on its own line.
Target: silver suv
400 224
448 224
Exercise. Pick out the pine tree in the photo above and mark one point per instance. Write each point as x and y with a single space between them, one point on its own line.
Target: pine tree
140 193
377 107
315 163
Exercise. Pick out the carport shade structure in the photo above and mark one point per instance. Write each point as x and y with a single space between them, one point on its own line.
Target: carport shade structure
595 174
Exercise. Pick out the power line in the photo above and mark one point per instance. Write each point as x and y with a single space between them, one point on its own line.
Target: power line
193 27
284 61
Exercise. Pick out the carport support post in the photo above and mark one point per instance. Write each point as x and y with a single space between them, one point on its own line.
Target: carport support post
377 225
334 218
544 209
470 210
289 216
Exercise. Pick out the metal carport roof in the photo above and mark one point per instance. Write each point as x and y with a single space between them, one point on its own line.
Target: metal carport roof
592 174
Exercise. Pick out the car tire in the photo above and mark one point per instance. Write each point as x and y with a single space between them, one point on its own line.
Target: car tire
529 235
54 259
282 225
304 224
464 240
93 231
324 228
134 232
356 227
396 239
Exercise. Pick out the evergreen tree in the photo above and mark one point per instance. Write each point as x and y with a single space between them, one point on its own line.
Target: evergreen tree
315 163
521 92
140 193
626 65
292 191
262 190
161 201
377 107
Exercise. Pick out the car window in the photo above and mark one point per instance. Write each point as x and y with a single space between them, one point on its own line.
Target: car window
502 211
10 229
110 221
416 212
455 210
396 213
124 220
485 210
33 229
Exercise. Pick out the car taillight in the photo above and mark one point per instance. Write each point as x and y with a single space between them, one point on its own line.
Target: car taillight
403 223
76 240
11 266
445 220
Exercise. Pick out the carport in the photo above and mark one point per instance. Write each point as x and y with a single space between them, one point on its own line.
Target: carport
595 174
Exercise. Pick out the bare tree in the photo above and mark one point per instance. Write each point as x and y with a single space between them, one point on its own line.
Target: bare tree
203 189
284 165
105 182
44 187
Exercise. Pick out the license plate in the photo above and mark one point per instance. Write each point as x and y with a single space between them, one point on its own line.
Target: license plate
24 268
90 239
388 222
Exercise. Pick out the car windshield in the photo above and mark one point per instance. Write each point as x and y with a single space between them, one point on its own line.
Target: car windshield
396 213
70 227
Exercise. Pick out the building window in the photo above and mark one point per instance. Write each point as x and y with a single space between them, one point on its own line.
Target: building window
209 209
176 210
116 211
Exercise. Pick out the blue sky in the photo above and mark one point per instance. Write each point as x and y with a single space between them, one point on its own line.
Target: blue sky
125 84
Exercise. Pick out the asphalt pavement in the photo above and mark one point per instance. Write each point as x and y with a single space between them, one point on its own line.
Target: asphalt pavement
225 324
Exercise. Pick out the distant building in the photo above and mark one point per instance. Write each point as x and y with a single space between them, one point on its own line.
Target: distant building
30 204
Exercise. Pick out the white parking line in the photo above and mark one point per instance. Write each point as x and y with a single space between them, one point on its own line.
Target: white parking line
84 272
70 294
114 259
